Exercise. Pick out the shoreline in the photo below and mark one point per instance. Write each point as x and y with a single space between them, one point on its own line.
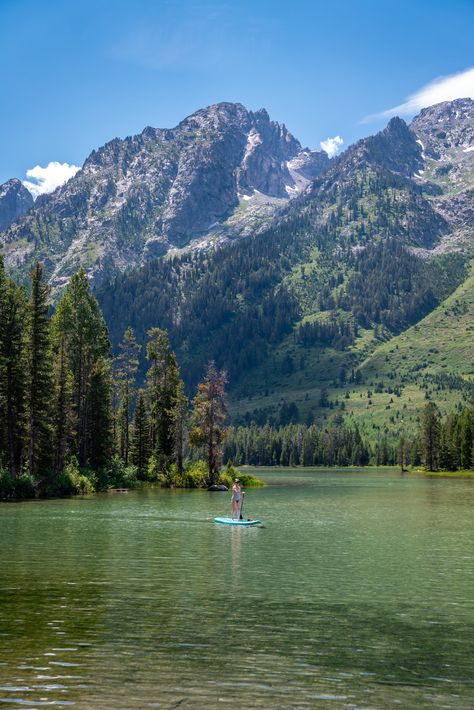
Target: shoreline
144 485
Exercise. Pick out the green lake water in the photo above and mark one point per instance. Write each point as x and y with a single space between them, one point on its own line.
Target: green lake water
357 593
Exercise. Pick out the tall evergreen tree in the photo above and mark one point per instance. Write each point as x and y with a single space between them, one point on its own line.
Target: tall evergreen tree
126 369
140 441
81 325
430 436
466 435
209 414
13 382
179 414
402 453
163 383
40 375
99 433
64 420
4 455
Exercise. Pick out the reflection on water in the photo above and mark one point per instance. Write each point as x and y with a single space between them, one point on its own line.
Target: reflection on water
236 540
357 593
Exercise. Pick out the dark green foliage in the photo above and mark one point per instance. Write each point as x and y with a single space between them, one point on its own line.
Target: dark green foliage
207 431
125 372
207 301
336 333
99 421
64 419
393 287
163 384
13 374
140 443
80 326
40 376
444 444
430 437
297 445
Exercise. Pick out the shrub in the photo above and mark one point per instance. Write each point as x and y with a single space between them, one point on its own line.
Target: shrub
24 487
154 472
73 481
226 479
7 484
247 480
117 475
195 475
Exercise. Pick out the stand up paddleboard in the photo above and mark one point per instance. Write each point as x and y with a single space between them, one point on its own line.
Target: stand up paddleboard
230 521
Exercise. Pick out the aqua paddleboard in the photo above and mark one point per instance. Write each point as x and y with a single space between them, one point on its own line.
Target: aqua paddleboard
230 521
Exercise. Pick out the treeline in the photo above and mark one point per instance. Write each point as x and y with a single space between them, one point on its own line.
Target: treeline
353 227
335 333
299 445
207 302
72 417
395 288
446 444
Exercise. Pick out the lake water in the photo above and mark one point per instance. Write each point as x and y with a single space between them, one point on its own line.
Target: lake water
357 593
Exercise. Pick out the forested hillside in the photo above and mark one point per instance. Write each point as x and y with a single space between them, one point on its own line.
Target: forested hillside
297 313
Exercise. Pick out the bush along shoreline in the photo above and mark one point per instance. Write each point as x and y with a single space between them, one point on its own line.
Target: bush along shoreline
74 481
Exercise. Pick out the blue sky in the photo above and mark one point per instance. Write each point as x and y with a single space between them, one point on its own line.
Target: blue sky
78 73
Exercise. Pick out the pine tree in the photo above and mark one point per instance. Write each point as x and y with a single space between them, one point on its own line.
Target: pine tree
209 414
140 440
3 363
13 384
163 383
40 376
127 366
402 453
466 438
99 433
430 436
179 414
79 322
64 414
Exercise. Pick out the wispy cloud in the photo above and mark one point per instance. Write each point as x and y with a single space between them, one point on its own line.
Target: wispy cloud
49 178
332 145
444 88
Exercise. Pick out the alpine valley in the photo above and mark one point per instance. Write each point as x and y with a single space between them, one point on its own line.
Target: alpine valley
329 289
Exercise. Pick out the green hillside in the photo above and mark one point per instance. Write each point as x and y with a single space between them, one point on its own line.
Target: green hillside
381 384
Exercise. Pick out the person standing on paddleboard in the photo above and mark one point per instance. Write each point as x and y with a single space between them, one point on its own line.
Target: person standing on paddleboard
236 499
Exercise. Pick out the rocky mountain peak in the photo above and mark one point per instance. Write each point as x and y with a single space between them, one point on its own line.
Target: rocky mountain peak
396 148
15 201
445 133
446 130
221 172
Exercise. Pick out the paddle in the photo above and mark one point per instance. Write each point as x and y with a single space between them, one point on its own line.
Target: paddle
242 504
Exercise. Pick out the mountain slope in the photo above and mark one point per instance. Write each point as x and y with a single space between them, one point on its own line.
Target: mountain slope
345 269
15 201
220 172
301 314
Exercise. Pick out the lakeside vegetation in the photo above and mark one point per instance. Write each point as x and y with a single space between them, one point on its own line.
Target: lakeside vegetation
73 418
76 421
440 445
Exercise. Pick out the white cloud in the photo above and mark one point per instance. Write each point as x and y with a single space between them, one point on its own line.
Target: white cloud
332 145
444 88
49 178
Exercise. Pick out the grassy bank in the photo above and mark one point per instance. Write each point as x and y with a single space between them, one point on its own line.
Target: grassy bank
443 474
